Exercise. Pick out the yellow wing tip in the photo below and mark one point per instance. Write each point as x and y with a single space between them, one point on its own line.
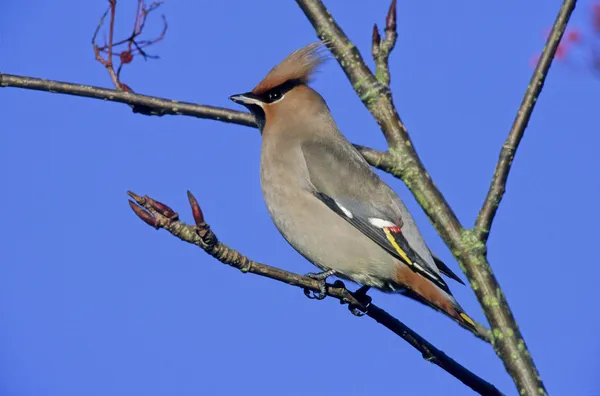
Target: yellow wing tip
467 319
401 252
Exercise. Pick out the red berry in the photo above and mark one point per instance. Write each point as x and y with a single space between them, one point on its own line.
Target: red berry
126 57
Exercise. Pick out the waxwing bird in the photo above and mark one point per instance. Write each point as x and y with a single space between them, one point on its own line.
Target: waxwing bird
328 203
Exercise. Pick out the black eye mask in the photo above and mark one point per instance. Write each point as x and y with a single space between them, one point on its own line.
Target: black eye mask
276 93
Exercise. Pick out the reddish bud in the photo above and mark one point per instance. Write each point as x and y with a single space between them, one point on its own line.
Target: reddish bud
125 87
126 57
142 214
376 37
140 200
390 20
161 208
196 211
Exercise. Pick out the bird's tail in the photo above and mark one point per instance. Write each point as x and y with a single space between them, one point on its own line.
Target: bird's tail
479 330
421 289
449 306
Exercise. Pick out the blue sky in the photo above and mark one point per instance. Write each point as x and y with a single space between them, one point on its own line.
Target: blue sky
94 302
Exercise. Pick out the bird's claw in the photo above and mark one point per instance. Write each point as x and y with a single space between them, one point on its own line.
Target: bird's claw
338 284
320 277
321 294
354 310
363 298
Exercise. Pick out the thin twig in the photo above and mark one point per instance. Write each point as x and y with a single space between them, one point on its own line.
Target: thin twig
126 56
381 48
147 105
494 196
374 95
403 162
107 63
159 215
111 33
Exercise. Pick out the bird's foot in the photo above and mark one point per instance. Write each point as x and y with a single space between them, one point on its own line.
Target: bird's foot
321 277
361 296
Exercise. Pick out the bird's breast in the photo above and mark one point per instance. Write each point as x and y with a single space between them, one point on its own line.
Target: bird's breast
315 231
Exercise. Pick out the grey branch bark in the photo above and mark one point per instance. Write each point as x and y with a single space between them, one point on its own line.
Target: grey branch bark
159 215
494 196
403 161
147 105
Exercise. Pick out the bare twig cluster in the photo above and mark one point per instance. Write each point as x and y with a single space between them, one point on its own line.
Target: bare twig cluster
400 159
132 45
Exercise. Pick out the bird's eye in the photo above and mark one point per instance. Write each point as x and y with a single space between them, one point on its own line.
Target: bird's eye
273 96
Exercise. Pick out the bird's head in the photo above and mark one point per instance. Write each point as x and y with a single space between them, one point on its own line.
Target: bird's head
284 92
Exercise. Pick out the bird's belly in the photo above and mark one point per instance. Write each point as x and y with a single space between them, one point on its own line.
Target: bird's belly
328 241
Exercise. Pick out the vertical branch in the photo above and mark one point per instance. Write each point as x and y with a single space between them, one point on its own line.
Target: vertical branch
402 161
107 63
111 31
485 218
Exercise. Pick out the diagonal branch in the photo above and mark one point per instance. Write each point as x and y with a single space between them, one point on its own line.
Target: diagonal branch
159 215
403 161
374 95
494 196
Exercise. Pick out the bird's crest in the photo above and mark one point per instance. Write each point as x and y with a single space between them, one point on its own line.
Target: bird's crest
299 65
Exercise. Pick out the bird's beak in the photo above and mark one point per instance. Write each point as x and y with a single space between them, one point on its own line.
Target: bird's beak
246 99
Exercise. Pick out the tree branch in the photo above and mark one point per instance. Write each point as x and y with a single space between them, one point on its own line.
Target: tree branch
159 215
381 48
403 161
494 196
147 105
375 95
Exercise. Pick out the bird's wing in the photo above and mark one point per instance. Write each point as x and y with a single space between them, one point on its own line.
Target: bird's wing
344 182
444 269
